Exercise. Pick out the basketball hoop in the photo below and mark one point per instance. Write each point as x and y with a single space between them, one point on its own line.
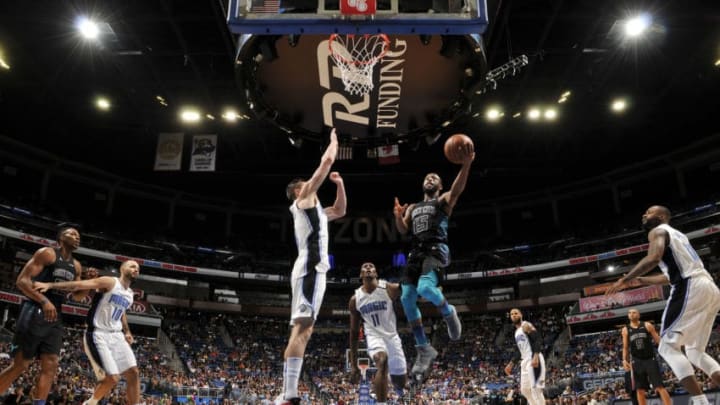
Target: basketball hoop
363 370
363 364
356 56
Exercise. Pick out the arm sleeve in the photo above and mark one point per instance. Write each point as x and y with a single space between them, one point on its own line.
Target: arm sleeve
535 341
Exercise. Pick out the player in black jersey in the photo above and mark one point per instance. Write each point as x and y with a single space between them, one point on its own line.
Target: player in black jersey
427 221
39 328
638 338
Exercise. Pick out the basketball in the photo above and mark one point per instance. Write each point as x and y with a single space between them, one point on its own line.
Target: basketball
455 147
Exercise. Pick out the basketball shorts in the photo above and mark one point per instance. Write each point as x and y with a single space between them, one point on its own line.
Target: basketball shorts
34 335
425 258
532 377
393 347
307 296
646 372
690 313
109 353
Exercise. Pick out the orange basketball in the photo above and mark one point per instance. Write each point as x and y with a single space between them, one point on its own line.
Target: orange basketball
455 147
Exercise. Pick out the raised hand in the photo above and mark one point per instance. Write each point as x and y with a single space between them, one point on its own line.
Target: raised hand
398 209
335 177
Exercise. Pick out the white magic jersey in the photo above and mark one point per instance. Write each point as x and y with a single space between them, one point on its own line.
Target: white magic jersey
108 308
680 260
311 237
523 342
377 311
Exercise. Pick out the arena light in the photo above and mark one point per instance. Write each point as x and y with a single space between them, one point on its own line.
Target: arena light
210 117
88 28
230 115
517 114
533 114
636 26
717 63
611 268
618 105
160 99
103 103
493 114
190 115
564 97
550 114
3 62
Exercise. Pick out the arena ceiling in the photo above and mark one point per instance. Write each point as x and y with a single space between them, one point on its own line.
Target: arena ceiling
183 52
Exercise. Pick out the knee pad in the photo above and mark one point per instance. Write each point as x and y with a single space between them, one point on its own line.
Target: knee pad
702 360
679 364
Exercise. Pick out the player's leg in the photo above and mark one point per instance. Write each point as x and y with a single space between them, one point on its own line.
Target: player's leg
397 365
669 349
380 382
428 288
49 349
98 349
127 364
641 396
25 345
705 297
48 369
641 380
11 373
526 382
538 383
425 352
132 377
308 292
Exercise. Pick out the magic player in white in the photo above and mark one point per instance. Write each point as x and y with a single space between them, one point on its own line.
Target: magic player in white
373 303
108 338
532 365
693 304
307 280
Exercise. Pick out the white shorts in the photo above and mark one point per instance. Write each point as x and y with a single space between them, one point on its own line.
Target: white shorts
393 347
690 312
532 377
109 353
307 296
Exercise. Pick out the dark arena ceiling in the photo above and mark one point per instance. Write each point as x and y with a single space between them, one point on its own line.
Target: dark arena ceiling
157 56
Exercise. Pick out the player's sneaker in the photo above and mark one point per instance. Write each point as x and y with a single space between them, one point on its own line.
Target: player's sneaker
280 400
453 324
425 356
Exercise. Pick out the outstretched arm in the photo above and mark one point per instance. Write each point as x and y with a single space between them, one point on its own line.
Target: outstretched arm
104 283
337 210
654 279
328 158
451 196
657 238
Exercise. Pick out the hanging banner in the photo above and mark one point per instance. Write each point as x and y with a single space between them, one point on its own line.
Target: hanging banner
621 299
169 151
202 158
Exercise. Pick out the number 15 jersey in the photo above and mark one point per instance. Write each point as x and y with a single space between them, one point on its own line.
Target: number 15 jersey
377 311
108 308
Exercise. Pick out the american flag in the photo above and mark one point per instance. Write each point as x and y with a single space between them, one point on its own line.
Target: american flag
265 6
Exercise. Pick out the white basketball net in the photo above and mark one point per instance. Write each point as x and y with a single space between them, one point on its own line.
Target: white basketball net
356 56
